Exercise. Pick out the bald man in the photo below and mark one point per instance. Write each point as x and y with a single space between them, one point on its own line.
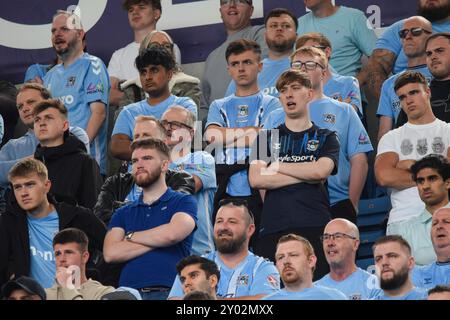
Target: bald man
437 272
340 242
414 35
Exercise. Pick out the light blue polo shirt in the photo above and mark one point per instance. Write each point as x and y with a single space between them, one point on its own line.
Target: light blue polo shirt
429 276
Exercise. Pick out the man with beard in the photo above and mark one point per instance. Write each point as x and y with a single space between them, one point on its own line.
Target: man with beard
437 272
236 16
243 275
81 82
155 67
388 55
28 96
281 32
414 34
154 232
340 243
394 263
432 177
31 221
296 262
438 62
198 274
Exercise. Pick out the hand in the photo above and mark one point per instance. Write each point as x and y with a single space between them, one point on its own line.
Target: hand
405 164
68 277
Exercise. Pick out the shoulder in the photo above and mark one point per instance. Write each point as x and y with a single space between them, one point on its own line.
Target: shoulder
306 17
352 12
184 101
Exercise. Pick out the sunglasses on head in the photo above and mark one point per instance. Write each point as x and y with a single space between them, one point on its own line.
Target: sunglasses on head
415 32
236 202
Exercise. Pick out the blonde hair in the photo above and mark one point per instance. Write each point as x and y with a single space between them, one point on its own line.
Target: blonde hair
312 52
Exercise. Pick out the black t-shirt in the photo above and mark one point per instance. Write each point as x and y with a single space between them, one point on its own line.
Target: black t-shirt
440 102
301 204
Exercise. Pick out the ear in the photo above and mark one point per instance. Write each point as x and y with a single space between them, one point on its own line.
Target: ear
165 165
66 125
85 257
250 230
48 185
411 263
447 184
156 14
169 74
213 281
356 245
328 53
260 66
312 260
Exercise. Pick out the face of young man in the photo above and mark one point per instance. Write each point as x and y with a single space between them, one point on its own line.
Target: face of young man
440 234
142 16
340 249
432 187
295 98
155 80
49 127
69 254
193 278
26 101
20 294
175 123
414 99
414 46
281 33
231 229
147 166
294 266
235 14
393 265
244 68
65 40
438 58
30 191
316 70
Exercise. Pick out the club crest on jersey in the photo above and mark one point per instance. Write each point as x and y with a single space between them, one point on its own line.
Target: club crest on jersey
242 280
71 81
273 281
330 118
243 111
312 145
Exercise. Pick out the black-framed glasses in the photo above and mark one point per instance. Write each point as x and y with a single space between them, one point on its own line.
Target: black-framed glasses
309 65
166 45
228 2
336 236
238 202
174 125
414 32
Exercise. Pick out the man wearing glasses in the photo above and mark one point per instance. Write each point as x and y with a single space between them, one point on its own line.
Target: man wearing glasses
179 124
340 241
336 86
414 35
281 32
155 67
243 275
236 16
344 188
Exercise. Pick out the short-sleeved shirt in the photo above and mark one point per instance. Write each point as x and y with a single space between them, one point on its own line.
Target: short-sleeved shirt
414 294
360 285
316 292
301 204
127 117
253 276
390 40
429 276
42 260
344 89
201 164
78 85
156 267
353 138
268 77
413 142
240 112
389 104
349 33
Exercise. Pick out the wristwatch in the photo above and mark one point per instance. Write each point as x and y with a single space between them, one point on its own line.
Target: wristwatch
129 235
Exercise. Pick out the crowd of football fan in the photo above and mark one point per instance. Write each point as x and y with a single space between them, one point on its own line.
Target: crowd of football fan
139 181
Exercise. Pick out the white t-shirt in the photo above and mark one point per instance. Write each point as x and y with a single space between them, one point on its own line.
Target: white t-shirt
121 65
413 142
